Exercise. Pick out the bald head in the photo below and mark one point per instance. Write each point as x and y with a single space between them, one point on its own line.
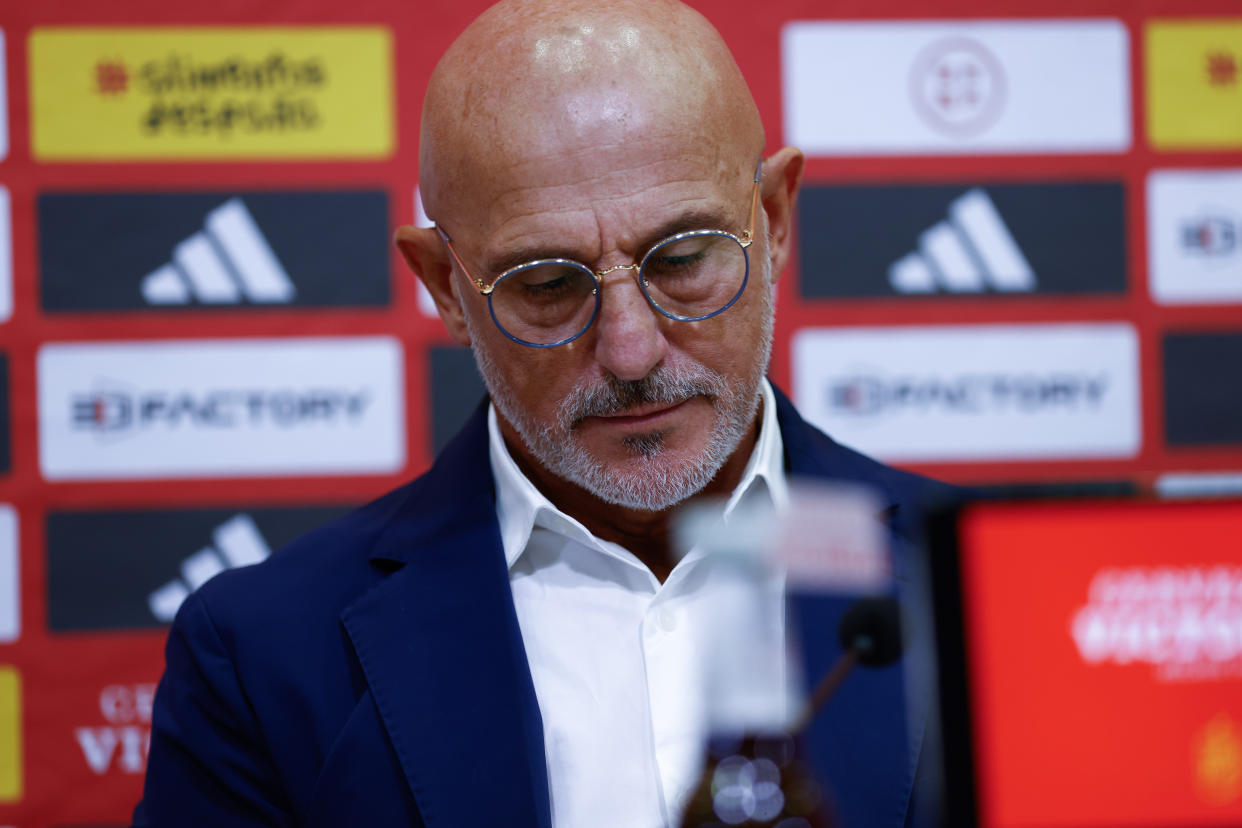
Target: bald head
533 79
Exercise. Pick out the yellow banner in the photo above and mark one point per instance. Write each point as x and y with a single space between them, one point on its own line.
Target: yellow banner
1194 84
10 735
211 93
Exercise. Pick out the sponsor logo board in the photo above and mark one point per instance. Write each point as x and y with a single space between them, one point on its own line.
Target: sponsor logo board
5 438
1194 92
973 392
10 734
133 569
940 240
160 251
1113 627
6 248
1194 236
177 409
1201 407
10 576
4 102
945 87
1199 484
211 93
456 389
120 738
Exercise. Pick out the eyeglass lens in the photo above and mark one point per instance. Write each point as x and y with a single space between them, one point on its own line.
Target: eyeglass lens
687 277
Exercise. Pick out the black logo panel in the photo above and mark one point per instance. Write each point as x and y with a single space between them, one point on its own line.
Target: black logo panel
204 251
962 240
1203 389
126 570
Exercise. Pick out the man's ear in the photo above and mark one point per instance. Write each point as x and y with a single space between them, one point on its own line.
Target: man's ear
782 173
428 258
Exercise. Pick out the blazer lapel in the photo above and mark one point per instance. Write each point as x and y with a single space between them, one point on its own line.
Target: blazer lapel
439 643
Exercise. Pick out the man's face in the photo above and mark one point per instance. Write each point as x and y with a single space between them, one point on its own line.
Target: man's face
641 411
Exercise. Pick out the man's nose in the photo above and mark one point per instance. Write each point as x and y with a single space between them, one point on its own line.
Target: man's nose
629 337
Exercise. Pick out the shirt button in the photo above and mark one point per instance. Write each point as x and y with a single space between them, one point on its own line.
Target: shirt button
668 621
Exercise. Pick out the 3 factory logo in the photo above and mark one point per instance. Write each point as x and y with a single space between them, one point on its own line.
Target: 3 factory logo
111 251
118 412
993 239
875 395
1027 391
1195 236
221 408
133 569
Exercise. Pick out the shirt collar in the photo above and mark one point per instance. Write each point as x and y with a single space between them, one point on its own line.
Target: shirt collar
520 506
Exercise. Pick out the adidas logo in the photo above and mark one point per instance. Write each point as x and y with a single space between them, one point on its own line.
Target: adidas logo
237 543
970 252
226 264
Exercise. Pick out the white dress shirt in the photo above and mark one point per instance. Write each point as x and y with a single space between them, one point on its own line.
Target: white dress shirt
612 651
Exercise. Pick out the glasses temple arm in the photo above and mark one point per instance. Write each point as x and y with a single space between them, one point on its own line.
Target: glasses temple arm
754 203
478 283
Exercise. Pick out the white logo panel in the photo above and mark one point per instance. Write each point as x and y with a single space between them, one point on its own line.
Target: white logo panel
10 577
6 254
211 408
924 87
4 103
1194 236
986 392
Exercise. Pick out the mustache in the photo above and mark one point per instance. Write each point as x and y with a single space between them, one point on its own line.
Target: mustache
663 386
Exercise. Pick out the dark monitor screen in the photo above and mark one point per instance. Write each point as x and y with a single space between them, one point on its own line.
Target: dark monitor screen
1090 662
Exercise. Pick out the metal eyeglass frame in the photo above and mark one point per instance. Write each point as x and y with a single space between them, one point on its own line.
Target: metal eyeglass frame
744 242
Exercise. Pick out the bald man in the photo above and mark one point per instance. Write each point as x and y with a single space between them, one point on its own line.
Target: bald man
504 640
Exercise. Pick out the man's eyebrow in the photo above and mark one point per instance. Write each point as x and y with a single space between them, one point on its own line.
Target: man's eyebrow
698 219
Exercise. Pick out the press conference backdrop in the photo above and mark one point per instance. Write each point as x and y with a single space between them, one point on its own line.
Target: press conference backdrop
1018 258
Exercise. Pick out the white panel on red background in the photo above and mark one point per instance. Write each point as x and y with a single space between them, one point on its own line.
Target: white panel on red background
6 252
208 408
1194 234
4 103
941 87
10 577
985 392
1199 484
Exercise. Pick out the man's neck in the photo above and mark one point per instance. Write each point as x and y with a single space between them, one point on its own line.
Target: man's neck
644 533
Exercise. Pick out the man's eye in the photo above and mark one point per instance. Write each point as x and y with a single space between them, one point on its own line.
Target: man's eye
677 258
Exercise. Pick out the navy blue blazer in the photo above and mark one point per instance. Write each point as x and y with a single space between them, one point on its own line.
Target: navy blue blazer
373 673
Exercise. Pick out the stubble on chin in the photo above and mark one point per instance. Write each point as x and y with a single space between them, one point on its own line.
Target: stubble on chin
655 478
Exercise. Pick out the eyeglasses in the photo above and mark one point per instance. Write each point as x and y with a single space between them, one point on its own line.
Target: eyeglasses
687 277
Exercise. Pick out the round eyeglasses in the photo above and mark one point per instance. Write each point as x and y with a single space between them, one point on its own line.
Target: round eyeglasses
687 277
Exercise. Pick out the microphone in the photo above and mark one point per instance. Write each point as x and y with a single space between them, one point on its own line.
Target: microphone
870 635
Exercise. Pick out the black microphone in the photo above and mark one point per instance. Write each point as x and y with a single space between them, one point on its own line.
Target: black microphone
870 634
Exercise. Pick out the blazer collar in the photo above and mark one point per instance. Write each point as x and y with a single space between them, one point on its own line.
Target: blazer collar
439 643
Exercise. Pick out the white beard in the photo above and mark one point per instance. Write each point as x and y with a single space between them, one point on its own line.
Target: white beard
654 480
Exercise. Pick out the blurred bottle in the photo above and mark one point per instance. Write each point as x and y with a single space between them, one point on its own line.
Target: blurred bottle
752 773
